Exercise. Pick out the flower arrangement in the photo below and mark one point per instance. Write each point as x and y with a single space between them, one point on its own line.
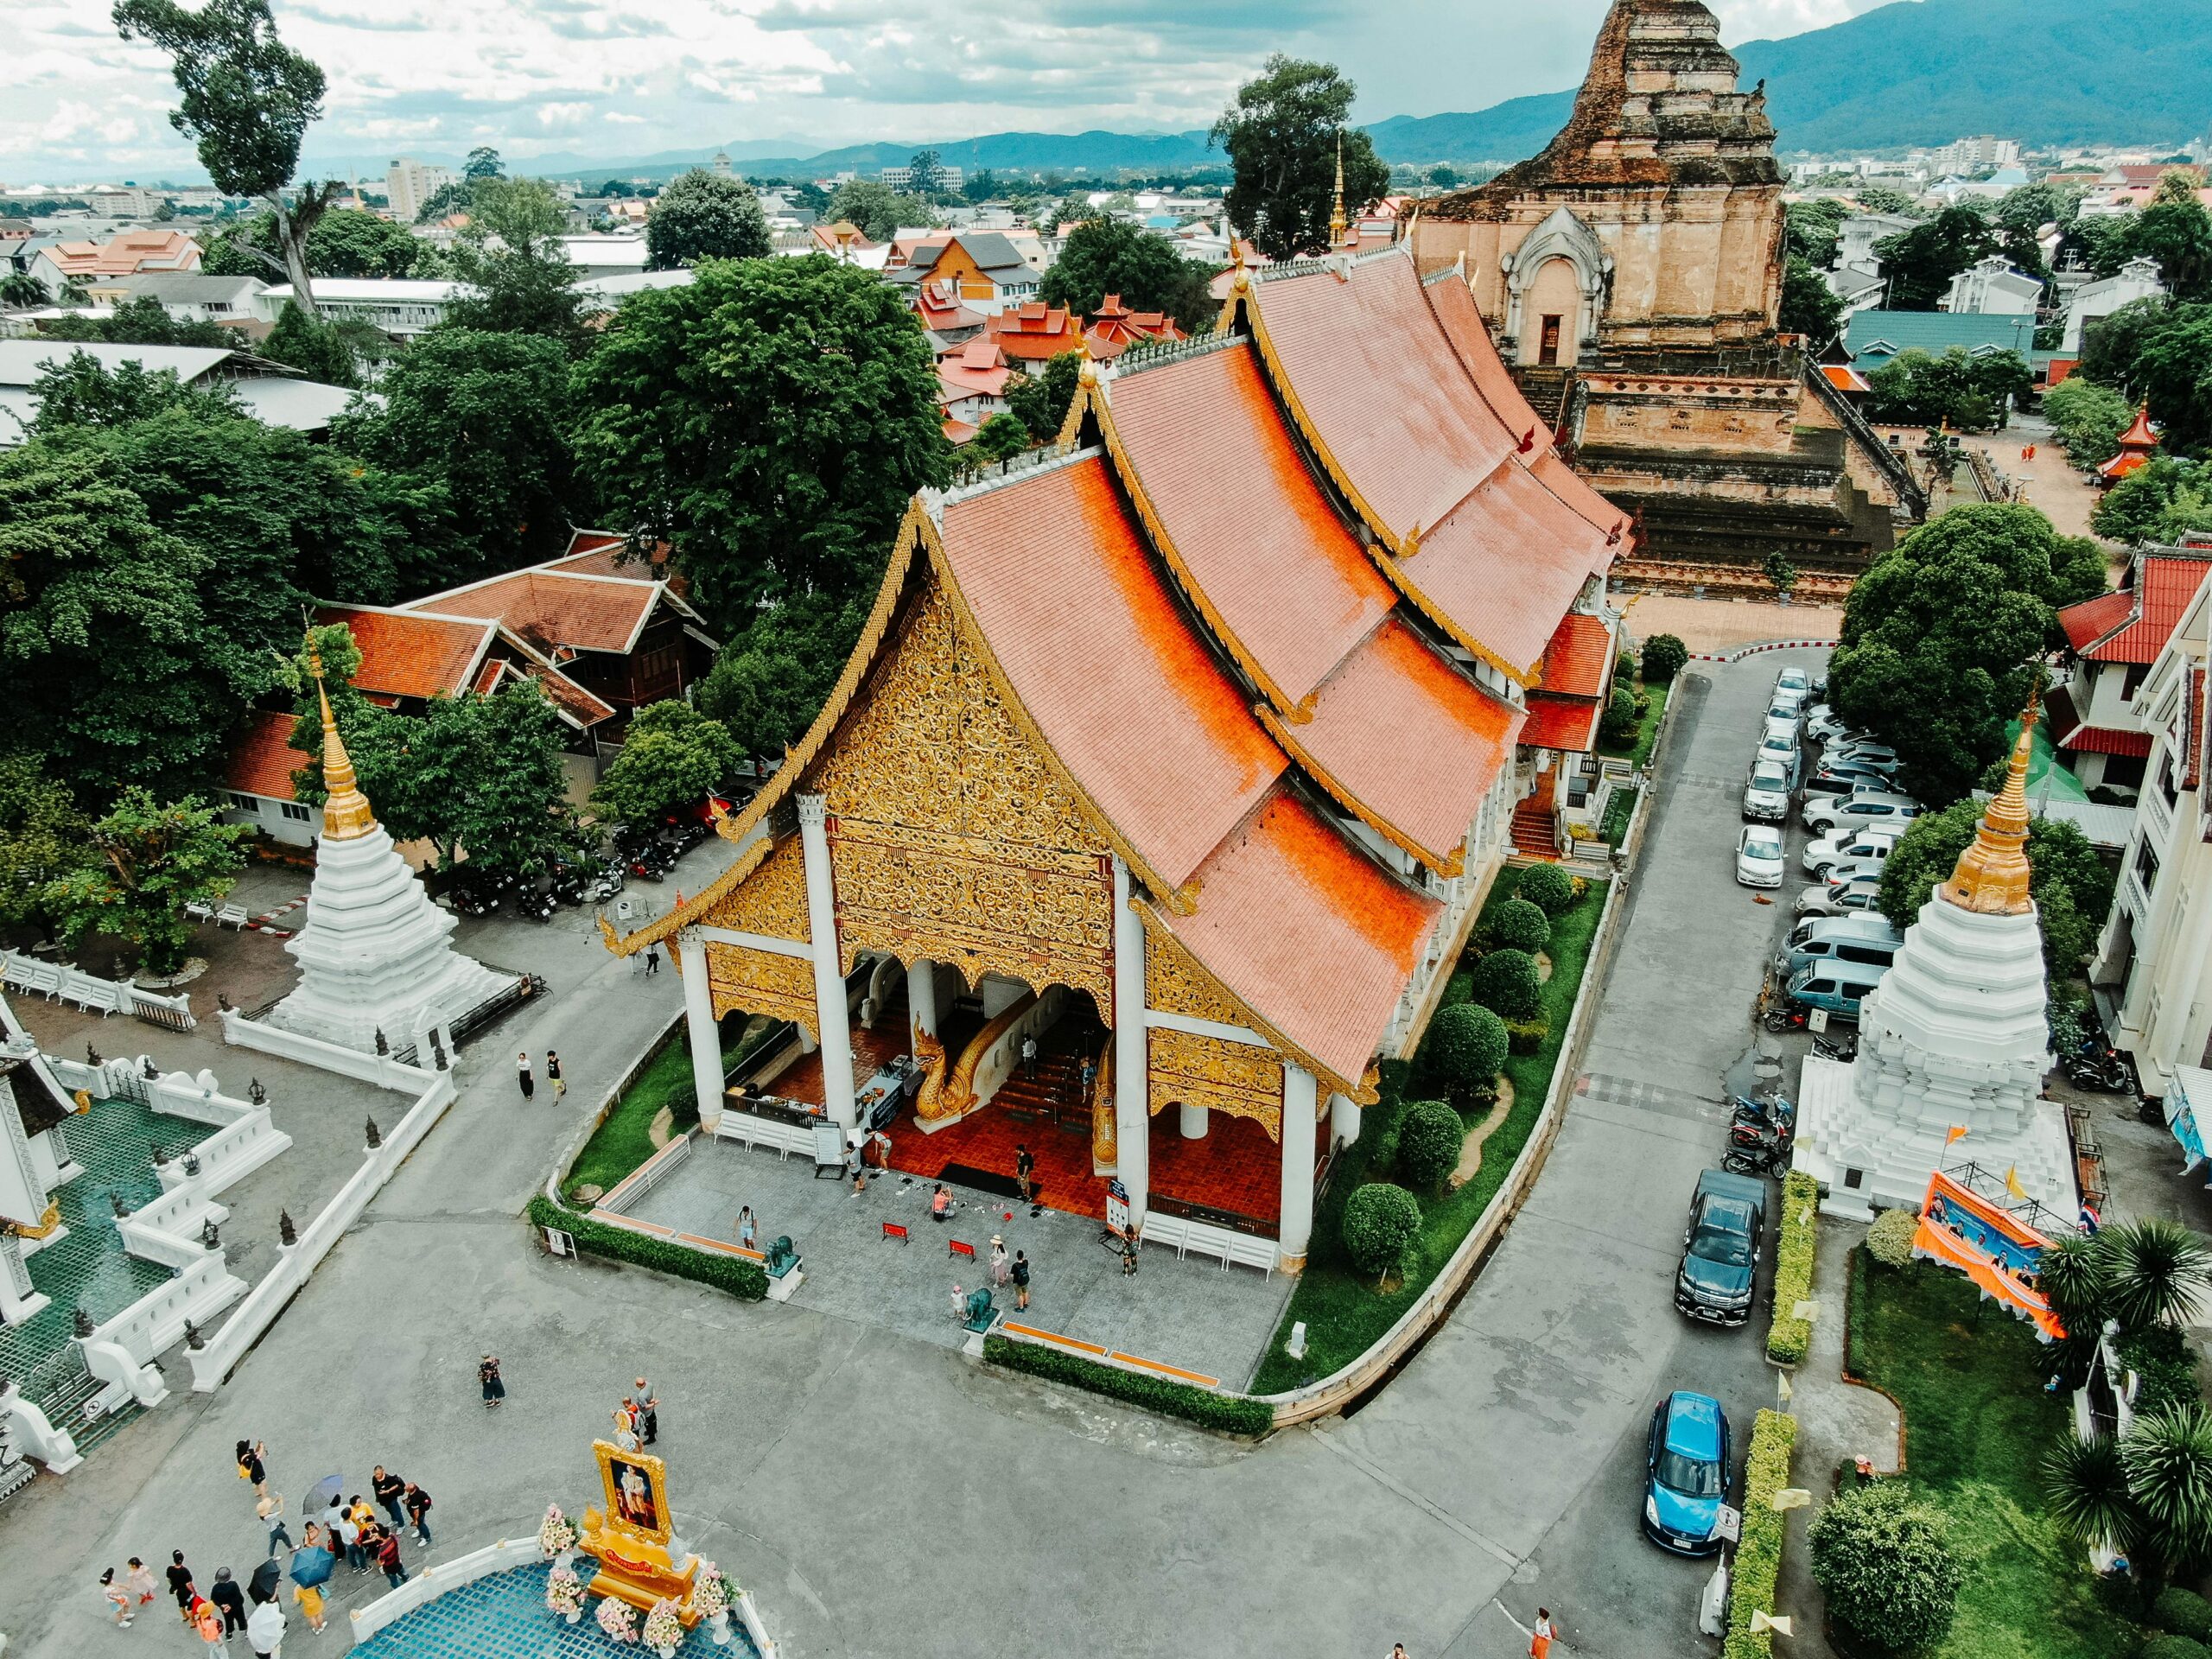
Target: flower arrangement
564 1592
555 1533
663 1628
617 1619
711 1591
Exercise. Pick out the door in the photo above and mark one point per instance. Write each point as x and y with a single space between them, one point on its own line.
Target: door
1548 344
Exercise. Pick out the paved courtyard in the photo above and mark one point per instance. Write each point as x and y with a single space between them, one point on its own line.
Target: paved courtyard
1189 1312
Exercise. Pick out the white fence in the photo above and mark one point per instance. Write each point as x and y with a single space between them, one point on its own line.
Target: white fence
58 983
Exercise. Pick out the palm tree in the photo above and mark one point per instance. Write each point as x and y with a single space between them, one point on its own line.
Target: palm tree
2168 1459
2073 1274
20 288
2087 1484
2155 1273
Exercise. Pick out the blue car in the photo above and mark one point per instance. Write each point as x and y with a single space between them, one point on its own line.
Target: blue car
1686 1478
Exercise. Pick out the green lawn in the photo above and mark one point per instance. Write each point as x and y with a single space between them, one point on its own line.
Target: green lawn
1346 1315
1977 1425
1638 751
624 1141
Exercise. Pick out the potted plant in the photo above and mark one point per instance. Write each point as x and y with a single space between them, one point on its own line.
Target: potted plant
564 1593
556 1536
710 1599
663 1631
617 1619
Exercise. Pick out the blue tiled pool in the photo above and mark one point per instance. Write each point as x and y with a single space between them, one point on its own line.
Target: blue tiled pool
504 1617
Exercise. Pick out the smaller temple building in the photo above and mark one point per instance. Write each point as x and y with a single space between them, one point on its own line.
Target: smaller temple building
1953 1045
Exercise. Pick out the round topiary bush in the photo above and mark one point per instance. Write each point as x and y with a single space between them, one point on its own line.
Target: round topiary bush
2183 1613
2173 1647
1429 1139
1465 1049
1663 656
1506 981
1380 1222
1617 723
1889 1241
1884 1560
1518 924
1547 887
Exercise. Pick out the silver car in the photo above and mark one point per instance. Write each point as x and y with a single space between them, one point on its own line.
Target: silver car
1841 898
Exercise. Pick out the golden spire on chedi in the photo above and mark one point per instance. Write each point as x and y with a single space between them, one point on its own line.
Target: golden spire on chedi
1338 222
345 811
1993 875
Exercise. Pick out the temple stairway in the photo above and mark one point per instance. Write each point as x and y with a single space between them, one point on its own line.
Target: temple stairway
1532 834
1055 1093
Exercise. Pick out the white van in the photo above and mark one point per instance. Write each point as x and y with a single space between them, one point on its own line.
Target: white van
1867 937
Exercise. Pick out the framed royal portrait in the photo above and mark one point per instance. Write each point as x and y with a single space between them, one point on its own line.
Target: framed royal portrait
637 1490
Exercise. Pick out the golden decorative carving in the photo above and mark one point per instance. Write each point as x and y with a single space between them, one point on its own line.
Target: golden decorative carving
929 1101
773 902
1233 1078
1173 984
957 1098
761 982
1991 875
1105 1127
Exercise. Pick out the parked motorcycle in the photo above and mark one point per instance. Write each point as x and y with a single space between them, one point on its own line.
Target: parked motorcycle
2105 1073
1844 1048
1769 1159
1782 1017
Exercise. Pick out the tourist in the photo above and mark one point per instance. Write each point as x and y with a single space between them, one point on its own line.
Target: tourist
488 1374
180 1577
1539 1639
310 1601
1398 1651
1025 1170
854 1166
252 1466
1029 1058
264 1631
941 1203
271 1511
1090 1075
959 1306
331 1517
1128 1253
388 1558
349 1540
644 1408
389 1489
553 1074
1020 1273
998 1261
523 1075
116 1596
139 1581
747 1227
652 960
230 1600
418 1509
203 1617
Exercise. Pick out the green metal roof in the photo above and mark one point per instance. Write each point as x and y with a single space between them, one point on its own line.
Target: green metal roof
1875 337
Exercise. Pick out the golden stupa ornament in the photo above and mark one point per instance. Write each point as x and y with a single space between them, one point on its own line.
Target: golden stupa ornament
1338 223
347 815
1992 875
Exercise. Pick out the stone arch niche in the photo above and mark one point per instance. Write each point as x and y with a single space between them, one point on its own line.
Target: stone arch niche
1560 270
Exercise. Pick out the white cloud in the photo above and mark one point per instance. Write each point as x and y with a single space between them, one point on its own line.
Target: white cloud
624 119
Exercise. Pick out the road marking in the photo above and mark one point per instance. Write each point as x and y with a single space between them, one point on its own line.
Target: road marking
1647 1096
1382 1478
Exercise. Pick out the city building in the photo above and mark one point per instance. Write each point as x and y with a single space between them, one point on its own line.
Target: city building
1992 288
971 387
1034 333
1114 328
2112 641
985 266
269 391
1164 752
2139 279
60 262
1974 154
1856 235
401 307
1873 337
187 296
902 178
409 185
1631 276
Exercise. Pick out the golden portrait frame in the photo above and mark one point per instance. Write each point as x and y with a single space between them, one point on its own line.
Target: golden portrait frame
654 1472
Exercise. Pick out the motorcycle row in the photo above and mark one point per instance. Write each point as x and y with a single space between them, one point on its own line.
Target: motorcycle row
646 851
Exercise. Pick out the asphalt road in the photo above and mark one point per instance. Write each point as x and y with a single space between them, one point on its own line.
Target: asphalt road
882 1496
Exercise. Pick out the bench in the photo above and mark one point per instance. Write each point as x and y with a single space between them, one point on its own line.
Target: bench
894 1230
200 910
232 916
954 1247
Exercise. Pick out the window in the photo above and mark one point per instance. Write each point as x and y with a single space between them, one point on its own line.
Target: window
295 812
2146 866
2166 777
246 803
1547 347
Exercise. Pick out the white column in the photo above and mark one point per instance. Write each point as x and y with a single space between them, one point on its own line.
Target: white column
1343 1119
1190 1120
921 1002
19 1298
1297 1229
1132 1062
706 1034
828 982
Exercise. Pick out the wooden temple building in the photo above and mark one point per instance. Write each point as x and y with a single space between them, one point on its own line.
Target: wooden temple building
1188 748
1632 274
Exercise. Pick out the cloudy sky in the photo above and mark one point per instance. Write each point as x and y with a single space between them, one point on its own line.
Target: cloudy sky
637 77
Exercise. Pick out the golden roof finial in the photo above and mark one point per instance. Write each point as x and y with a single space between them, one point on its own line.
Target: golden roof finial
1992 875
1337 221
347 815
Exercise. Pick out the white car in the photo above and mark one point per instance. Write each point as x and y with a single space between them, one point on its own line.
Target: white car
1794 683
1864 750
1847 841
1864 809
1781 728
1766 793
1841 898
1825 725
1759 856
1866 866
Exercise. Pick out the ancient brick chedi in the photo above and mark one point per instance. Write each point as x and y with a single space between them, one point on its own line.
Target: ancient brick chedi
1631 275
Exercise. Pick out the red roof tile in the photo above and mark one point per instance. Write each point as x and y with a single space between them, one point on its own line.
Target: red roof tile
1287 892
1578 659
1267 552
600 553
1561 722
2165 582
263 760
1035 332
582 707
2091 620
1463 324
2069 732
555 608
407 655
1098 649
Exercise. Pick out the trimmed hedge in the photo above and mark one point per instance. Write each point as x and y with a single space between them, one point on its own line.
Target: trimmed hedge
1430 1137
1466 1049
1519 925
746 1281
1380 1223
1758 1553
2173 1647
1225 1413
1663 656
1889 1241
1507 983
1526 1036
2183 1613
1789 1336
1547 887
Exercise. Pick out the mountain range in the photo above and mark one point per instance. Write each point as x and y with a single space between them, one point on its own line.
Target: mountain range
1916 73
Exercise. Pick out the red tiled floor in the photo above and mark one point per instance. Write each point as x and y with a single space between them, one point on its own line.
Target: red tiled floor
1234 1167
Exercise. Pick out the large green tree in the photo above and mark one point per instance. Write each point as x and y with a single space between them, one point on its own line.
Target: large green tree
1941 637
1040 402
705 215
1108 256
44 836
247 100
519 277
76 390
2071 886
482 418
1811 229
673 757
153 860
1810 306
874 208
771 420
2162 501
302 341
1968 392
770 682
1921 262
142 321
1283 134
344 241
2175 229
2087 419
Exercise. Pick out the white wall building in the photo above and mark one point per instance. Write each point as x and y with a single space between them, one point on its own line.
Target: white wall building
1994 287
901 178
408 184
2138 279
401 306
1972 154
1856 238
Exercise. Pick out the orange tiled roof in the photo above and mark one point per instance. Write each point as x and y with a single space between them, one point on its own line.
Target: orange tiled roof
1579 657
600 553
405 655
1562 722
127 254
263 760
2139 619
582 708
958 431
1260 541
1098 651
1114 328
553 609
1034 332
2093 619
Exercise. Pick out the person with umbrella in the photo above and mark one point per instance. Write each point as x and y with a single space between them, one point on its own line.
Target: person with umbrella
261 1588
312 1564
264 1631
